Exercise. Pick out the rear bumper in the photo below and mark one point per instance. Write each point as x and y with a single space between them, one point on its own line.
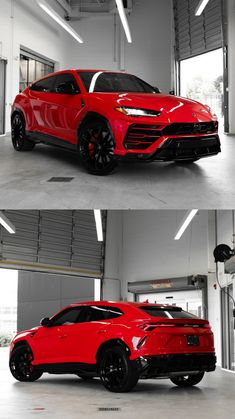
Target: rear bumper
175 364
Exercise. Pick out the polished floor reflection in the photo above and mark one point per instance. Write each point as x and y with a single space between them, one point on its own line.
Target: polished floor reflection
24 184
70 397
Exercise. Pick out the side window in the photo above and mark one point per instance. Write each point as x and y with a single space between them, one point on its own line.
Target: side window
68 317
99 313
66 84
45 85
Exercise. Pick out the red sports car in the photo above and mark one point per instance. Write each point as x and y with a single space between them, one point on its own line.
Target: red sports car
106 116
119 342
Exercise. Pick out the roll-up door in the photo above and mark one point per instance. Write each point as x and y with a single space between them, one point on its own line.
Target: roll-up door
197 34
53 241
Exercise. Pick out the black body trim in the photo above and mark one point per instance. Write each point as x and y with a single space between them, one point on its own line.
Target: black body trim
176 364
38 137
69 368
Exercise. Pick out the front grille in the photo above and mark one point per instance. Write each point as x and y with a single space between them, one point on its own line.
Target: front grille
191 128
140 137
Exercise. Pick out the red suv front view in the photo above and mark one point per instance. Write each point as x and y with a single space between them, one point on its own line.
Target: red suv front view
119 342
106 116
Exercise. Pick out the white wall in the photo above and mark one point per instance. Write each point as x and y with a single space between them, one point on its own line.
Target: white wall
144 246
23 23
42 295
231 63
149 56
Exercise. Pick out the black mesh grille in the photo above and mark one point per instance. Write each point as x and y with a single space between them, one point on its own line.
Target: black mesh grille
142 136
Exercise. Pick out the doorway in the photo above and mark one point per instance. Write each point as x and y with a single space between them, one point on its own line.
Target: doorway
8 305
2 95
191 301
202 79
228 332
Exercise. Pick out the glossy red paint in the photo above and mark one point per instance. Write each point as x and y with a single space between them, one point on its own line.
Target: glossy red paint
142 334
59 116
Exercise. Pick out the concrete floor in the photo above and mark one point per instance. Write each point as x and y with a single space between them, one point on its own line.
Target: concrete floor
69 397
24 182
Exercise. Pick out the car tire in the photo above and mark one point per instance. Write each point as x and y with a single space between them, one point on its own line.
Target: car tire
96 147
188 380
18 134
21 364
117 373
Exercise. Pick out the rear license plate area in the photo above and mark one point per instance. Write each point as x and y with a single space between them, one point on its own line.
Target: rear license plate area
192 340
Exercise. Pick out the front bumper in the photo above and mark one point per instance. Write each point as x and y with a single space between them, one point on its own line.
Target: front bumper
175 364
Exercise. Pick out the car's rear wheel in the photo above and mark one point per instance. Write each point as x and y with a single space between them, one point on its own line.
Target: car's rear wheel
21 365
96 147
188 380
18 134
117 373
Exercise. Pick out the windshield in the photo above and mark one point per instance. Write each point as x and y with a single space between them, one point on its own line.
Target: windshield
168 312
114 82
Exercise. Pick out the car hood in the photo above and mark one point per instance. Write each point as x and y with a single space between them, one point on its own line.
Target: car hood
172 108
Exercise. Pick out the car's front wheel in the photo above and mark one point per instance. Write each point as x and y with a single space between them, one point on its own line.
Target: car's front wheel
117 373
96 147
18 134
21 365
188 380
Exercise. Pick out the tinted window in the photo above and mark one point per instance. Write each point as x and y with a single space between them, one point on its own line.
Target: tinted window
96 313
45 85
66 81
116 82
175 313
67 317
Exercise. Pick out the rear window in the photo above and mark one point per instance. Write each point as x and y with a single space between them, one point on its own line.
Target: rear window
170 313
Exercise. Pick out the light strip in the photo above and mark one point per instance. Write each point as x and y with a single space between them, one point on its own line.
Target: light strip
201 6
124 20
186 221
98 222
7 224
55 16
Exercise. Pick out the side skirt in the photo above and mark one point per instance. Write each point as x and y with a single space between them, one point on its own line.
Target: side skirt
38 137
69 368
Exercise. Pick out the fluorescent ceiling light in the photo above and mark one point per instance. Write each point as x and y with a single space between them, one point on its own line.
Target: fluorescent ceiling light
201 6
185 222
51 12
98 222
124 20
7 224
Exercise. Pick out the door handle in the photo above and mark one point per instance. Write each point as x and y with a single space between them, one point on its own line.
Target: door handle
63 336
102 331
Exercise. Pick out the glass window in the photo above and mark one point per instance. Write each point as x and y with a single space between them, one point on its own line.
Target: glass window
66 81
45 85
32 69
67 317
96 313
116 82
175 313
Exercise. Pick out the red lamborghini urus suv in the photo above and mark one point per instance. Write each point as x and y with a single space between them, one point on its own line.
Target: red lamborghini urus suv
119 342
105 116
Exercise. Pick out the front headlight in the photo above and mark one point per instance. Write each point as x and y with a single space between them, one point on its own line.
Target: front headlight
137 112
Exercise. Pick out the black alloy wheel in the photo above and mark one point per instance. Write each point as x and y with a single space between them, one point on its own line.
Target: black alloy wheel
19 139
117 373
96 148
188 380
21 365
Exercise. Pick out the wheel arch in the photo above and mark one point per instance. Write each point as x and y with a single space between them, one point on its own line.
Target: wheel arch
18 111
91 115
21 343
109 344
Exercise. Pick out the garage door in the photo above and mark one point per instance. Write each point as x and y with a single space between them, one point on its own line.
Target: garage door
53 241
197 34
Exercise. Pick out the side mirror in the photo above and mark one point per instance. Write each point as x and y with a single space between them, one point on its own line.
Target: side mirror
45 322
172 92
157 90
66 89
